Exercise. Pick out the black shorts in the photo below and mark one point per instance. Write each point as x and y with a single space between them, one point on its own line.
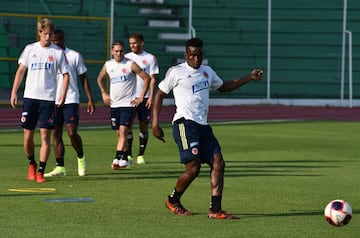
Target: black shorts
35 111
122 116
143 113
68 114
195 141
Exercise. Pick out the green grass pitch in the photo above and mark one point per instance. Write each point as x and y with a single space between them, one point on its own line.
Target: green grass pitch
278 179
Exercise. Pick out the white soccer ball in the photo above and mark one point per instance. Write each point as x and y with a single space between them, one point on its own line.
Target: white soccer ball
338 212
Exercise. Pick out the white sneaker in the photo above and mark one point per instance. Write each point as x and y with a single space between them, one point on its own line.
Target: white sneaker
115 164
123 164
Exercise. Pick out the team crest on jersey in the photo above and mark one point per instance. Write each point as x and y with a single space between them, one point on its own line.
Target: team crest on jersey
124 71
206 75
144 62
51 58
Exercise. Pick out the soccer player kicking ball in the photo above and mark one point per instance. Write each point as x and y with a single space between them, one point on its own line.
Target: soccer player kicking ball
191 83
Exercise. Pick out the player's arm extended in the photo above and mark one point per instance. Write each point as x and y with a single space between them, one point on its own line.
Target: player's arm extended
255 74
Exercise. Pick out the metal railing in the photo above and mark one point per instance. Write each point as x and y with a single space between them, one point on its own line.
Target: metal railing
192 32
345 33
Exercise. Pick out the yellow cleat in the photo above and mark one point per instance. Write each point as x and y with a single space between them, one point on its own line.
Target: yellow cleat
58 171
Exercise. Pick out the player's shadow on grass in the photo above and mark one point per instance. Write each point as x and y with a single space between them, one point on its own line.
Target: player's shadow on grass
284 168
204 173
127 174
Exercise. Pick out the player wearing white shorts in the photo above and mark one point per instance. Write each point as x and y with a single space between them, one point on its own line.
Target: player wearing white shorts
191 83
122 100
41 61
68 114
149 64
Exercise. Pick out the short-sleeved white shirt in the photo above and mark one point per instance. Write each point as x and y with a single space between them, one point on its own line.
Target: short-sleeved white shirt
191 88
76 67
43 64
148 63
122 82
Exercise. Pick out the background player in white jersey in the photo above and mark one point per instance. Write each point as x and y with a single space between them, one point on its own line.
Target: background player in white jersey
41 61
68 114
191 83
122 75
149 64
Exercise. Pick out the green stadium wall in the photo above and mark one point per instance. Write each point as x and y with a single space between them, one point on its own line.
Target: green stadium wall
306 40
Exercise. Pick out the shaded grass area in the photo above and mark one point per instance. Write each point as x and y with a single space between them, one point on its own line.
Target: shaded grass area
279 177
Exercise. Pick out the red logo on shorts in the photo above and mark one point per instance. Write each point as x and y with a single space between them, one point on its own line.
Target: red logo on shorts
23 119
194 151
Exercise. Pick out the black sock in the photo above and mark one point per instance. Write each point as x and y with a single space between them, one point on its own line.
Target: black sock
143 139
175 196
130 141
80 155
121 155
215 204
60 162
42 166
31 159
